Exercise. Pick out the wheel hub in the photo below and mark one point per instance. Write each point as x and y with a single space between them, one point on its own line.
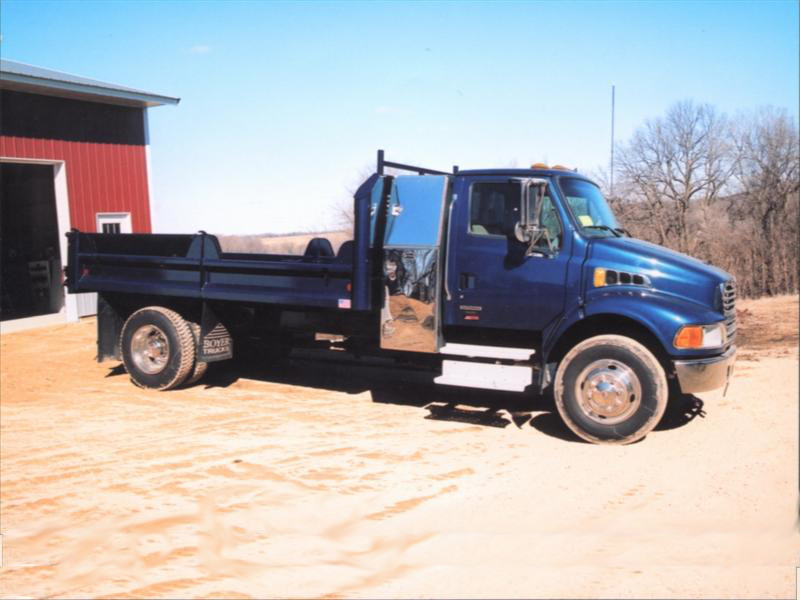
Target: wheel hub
608 391
150 349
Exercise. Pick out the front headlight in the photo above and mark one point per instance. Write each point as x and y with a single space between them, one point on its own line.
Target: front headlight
701 336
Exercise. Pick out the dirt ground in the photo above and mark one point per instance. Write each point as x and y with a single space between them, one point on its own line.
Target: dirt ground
323 479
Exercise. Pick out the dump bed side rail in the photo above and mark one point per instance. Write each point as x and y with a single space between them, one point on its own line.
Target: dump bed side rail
192 266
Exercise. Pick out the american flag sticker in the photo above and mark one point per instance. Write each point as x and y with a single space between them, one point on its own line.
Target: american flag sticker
344 302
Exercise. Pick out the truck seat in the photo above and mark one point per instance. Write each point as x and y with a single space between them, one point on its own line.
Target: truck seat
479 229
319 248
345 254
215 243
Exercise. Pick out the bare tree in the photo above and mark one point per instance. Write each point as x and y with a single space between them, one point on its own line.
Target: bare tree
725 191
767 173
673 163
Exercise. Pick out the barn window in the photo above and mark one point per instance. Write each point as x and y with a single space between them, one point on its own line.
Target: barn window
114 222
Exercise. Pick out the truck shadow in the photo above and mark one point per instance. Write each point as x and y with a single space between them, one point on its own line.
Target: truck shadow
404 386
681 410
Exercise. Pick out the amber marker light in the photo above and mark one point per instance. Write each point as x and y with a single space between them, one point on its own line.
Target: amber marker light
701 336
689 337
599 277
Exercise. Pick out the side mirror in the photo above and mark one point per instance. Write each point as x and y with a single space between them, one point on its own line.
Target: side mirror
524 233
527 230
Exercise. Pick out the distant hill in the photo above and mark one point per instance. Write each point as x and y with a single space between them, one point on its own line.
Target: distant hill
282 243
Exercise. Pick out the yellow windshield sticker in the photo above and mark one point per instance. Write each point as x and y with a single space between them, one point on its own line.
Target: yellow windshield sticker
585 220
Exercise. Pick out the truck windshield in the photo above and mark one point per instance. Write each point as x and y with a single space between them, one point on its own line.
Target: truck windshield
590 209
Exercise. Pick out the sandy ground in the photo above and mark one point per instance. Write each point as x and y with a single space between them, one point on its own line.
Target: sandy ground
323 479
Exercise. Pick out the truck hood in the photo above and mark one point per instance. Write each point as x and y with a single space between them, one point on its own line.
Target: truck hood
669 271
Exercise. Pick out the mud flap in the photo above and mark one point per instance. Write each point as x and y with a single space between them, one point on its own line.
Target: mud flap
215 342
109 329
546 375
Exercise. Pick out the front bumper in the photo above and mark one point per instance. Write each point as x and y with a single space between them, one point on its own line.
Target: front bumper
705 374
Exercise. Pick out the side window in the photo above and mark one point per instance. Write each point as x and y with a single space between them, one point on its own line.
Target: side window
494 207
548 218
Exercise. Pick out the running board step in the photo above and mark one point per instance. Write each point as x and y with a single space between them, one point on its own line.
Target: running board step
485 376
498 352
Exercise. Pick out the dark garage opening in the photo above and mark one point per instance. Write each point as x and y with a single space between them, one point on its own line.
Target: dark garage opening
31 261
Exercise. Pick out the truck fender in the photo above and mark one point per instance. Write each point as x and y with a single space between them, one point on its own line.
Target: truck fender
661 315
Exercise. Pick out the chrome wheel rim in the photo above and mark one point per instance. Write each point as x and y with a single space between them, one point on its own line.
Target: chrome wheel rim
608 391
150 349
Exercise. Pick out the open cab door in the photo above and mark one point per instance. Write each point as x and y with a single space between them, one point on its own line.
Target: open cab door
412 259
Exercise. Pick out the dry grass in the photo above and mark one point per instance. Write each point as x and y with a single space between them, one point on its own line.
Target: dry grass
767 325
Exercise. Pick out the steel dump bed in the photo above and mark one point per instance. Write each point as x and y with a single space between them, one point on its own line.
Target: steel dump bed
194 266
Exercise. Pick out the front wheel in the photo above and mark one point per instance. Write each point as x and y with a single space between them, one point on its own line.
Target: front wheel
610 389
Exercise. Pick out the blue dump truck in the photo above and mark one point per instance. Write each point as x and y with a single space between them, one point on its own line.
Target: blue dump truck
502 279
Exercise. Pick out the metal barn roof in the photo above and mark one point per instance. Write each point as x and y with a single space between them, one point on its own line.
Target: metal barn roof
28 78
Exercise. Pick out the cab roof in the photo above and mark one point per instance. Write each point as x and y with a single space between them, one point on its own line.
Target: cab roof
522 173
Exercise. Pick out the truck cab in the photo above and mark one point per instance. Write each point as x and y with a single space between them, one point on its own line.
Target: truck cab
539 282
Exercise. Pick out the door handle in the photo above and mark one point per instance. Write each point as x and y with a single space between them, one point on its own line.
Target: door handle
447 261
467 281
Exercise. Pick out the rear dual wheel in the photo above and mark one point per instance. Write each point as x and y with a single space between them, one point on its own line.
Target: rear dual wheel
159 349
200 368
611 389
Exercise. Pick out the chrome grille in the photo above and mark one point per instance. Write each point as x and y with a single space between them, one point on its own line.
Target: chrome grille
728 297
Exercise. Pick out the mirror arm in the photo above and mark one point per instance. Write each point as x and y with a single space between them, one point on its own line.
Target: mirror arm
541 232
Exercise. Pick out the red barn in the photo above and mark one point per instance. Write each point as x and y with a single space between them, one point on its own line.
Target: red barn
73 153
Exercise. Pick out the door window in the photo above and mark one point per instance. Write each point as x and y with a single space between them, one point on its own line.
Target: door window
494 208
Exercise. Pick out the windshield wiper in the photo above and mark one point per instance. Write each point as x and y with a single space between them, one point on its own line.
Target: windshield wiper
616 232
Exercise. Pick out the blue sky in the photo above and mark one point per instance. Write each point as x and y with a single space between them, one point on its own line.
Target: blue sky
283 105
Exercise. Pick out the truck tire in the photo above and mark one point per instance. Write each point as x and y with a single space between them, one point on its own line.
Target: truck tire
158 348
610 389
200 368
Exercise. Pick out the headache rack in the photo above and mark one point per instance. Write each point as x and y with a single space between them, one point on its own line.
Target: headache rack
382 163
